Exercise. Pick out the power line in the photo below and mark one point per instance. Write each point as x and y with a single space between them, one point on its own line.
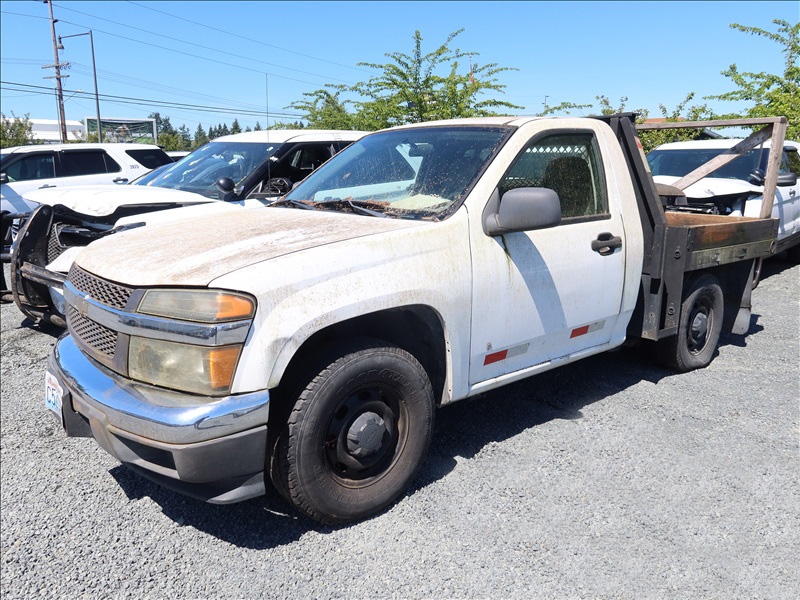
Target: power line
205 47
133 81
116 35
133 100
241 37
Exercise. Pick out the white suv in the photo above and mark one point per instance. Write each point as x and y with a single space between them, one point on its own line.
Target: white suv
24 169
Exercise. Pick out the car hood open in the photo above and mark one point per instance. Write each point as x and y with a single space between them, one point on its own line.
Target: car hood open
709 187
102 200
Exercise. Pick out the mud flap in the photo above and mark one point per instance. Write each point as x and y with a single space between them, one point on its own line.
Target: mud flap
29 255
741 324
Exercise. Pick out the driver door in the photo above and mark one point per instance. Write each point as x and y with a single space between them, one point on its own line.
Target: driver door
545 294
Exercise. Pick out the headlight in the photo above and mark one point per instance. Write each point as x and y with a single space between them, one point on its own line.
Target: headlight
205 370
203 306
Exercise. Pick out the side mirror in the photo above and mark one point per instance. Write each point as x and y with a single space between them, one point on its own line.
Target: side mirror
757 177
3 178
523 209
225 185
787 179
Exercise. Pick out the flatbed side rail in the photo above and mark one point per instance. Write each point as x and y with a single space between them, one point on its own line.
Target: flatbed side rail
774 129
668 252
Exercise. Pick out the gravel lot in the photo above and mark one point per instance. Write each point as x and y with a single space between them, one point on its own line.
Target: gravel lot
608 478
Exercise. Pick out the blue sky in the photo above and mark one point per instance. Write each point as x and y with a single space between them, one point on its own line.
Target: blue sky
651 52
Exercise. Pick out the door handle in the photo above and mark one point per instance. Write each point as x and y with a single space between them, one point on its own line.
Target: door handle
41 187
120 180
792 193
605 243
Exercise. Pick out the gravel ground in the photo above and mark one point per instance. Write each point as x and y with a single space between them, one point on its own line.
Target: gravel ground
607 478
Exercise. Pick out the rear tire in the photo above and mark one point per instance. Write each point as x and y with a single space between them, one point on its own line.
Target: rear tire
357 434
699 327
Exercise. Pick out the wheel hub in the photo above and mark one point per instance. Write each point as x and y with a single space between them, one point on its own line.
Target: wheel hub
366 434
700 325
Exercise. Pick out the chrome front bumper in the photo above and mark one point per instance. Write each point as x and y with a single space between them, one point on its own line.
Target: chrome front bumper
210 448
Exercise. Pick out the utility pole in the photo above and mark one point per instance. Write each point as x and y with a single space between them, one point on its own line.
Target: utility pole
58 76
545 103
94 70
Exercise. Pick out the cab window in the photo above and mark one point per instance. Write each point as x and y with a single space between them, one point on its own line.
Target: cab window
570 165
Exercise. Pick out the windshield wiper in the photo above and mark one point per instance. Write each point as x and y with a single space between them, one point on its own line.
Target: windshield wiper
355 206
289 202
366 211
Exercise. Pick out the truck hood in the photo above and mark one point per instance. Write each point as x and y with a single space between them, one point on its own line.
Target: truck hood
195 251
102 200
710 187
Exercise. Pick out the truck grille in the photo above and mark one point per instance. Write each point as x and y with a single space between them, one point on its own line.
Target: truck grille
105 292
54 247
100 339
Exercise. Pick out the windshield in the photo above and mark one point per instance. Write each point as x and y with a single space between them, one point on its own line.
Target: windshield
148 177
678 163
409 173
199 171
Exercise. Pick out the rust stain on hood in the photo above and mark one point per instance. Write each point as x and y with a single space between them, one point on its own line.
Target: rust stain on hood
196 251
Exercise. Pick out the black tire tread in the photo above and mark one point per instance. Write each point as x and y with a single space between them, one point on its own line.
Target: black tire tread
335 358
668 350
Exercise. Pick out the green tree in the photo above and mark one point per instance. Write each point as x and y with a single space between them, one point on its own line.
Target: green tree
652 138
235 127
257 126
248 129
323 109
410 88
186 137
171 141
16 131
200 138
418 87
162 124
770 95
223 130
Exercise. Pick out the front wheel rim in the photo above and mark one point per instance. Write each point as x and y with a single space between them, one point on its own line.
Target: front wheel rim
365 435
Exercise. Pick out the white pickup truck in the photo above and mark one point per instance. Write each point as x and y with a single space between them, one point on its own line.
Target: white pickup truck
310 342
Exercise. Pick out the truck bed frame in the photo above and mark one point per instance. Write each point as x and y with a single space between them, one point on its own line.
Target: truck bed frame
677 244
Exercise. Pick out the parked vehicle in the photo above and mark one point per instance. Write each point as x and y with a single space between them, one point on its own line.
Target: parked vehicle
24 169
311 341
736 188
242 170
176 155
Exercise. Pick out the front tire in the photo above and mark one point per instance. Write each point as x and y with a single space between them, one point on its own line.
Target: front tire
357 434
699 328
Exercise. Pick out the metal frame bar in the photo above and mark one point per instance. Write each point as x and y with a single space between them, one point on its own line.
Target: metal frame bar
775 129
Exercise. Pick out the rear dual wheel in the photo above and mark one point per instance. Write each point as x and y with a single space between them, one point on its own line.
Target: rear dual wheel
357 434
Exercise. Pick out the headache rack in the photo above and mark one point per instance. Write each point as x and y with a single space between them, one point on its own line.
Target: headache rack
678 243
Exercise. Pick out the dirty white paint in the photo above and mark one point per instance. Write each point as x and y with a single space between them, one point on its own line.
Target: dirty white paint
311 269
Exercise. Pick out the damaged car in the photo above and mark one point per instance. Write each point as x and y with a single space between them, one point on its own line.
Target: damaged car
735 189
242 170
